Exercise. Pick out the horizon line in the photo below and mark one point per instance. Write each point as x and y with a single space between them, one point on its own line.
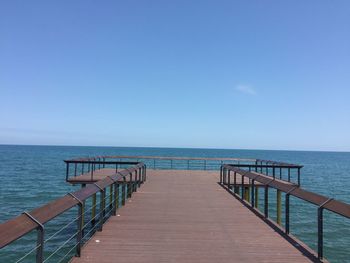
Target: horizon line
171 147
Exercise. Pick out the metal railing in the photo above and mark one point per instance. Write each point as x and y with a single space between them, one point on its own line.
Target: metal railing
127 181
266 182
90 164
283 171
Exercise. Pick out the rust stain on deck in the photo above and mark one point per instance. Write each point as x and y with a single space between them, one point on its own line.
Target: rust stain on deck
185 216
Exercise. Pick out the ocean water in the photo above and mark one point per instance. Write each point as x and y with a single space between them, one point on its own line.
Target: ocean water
34 175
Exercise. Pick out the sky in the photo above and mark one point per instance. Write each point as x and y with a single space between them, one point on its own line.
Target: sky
206 74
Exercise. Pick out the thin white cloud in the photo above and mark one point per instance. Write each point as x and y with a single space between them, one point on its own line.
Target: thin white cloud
246 89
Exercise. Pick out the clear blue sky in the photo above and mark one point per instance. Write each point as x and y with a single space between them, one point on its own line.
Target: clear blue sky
217 74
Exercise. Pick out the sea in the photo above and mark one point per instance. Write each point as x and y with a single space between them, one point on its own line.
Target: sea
31 176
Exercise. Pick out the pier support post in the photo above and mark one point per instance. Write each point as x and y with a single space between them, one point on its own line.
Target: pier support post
279 207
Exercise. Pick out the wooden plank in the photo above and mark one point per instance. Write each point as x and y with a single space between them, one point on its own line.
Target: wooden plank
185 216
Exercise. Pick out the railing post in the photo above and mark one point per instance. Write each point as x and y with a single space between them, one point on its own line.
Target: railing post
320 228
266 201
221 168
256 202
288 174
79 226
279 207
140 178
320 232
102 206
247 193
130 186
123 191
229 180
287 213
144 171
93 210
136 181
111 196
116 198
242 190
253 193
67 171
40 238
280 172
235 182
92 171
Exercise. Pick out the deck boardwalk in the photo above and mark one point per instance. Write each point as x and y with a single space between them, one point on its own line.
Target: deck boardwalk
185 216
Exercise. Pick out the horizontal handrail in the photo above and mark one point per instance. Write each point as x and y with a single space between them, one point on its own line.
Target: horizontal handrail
15 228
166 158
277 165
335 206
98 162
265 166
289 189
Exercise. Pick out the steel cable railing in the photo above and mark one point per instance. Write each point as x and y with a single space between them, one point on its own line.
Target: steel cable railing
126 180
289 189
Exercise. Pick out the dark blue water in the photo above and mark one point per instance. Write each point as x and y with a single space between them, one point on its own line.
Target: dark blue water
34 175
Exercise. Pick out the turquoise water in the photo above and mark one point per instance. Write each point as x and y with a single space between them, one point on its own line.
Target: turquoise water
34 175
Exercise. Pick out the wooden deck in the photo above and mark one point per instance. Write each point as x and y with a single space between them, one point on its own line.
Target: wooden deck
185 216
100 174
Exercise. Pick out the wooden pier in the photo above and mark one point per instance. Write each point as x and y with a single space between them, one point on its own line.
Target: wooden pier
186 216
179 210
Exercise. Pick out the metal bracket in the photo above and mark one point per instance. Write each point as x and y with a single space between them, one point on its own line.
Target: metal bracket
76 198
291 190
129 170
40 238
34 220
273 179
110 177
99 187
122 176
325 202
